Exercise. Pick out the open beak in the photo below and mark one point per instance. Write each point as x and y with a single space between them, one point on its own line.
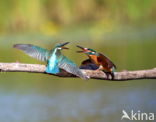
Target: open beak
84 50
63 45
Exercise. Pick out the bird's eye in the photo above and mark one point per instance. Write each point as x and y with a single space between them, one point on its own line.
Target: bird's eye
93 52
59 48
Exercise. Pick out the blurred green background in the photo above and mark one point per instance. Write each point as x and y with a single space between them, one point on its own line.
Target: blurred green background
124 30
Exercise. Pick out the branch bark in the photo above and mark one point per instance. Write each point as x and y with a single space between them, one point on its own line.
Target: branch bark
119 76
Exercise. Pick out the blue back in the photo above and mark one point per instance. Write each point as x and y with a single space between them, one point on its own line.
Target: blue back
52 63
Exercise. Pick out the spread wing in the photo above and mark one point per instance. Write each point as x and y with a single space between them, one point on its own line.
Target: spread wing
34 51
71 67
106 61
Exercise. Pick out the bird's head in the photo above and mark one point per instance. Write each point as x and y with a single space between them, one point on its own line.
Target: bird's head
87 51
61 46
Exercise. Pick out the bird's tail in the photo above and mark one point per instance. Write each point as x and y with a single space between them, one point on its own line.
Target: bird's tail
113 69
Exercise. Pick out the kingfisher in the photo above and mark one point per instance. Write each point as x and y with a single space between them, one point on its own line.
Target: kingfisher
54 58
97 61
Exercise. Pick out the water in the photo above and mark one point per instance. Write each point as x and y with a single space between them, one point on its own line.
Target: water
97 105
32 97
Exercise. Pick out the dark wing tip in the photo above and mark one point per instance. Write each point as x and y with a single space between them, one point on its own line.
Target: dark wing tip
21 46
16 45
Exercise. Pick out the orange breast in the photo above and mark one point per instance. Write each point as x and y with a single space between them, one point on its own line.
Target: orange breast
100 61
94 59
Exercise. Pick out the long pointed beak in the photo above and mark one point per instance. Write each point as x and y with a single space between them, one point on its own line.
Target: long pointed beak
80 47
84 50
63 45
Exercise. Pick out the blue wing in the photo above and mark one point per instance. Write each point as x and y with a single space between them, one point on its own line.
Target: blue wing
69 66
34 51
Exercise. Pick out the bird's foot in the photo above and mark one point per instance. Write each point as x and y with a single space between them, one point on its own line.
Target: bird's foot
108 74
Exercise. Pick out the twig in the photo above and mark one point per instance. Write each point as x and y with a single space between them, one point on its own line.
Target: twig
119 76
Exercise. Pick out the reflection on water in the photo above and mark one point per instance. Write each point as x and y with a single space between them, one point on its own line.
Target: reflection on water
74 106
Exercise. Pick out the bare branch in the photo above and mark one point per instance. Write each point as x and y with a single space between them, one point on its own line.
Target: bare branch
119 76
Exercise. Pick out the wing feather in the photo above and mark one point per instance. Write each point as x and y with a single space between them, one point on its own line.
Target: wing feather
106 61
34 51
70 67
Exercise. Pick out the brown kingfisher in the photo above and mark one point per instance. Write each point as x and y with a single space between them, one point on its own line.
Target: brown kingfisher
97 61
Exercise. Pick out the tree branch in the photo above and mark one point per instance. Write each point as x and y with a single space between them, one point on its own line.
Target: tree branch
119 76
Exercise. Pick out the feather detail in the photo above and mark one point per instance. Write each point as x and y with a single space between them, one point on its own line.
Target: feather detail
105 62
69 66
34 51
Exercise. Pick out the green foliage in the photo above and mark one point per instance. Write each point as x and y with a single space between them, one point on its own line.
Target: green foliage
49 16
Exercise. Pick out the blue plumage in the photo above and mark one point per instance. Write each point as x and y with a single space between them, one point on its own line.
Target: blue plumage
52 63
55 60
